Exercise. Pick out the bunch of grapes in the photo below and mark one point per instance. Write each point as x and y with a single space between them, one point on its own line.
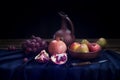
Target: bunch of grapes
34 44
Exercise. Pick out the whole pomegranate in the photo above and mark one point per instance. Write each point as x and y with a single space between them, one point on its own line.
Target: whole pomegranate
57 46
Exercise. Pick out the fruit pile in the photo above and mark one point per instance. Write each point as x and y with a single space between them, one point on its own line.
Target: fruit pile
85 46
57 50
34 44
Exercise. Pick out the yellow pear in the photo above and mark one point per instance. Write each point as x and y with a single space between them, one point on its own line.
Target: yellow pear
83 48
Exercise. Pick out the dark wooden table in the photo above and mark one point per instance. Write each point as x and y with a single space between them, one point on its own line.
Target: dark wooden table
113 44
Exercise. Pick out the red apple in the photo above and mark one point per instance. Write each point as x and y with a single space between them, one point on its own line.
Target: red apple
74 46
93 47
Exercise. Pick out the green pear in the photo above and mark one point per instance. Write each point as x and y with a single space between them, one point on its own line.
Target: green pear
102 42
85 41
83 48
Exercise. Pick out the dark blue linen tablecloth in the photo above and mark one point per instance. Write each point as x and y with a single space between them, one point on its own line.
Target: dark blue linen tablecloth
12 67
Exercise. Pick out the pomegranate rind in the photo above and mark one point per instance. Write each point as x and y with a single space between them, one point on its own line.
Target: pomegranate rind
59 58
42 56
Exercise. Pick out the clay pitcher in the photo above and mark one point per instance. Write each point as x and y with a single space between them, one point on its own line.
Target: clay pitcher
64 33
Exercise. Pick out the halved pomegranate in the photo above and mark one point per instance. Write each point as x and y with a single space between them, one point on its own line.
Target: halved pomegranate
59 58
42 56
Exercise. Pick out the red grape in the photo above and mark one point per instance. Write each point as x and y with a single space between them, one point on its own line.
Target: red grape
34 44
11 47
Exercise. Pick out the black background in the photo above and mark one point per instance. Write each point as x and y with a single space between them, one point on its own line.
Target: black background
91 19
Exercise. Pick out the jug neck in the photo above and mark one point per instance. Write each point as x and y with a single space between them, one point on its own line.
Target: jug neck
64 24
